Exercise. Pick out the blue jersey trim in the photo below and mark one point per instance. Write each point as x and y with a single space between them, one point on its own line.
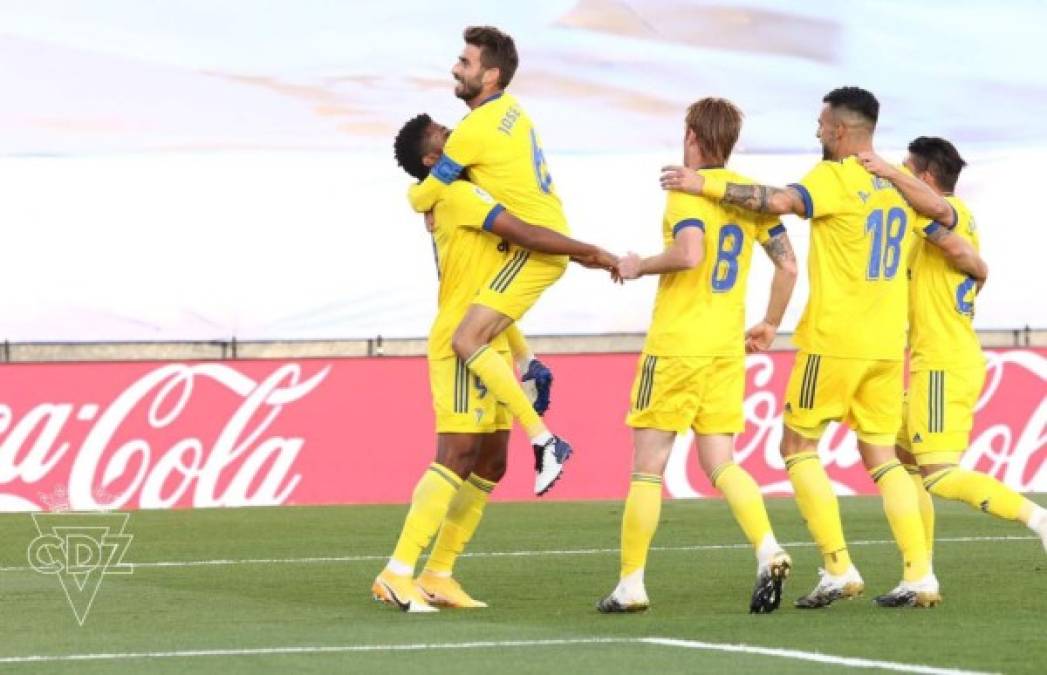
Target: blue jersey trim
491 215
932 228
446 170
690 222
776 230
490 98
805 195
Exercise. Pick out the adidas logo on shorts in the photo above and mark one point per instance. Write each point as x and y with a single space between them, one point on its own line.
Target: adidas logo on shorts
917 438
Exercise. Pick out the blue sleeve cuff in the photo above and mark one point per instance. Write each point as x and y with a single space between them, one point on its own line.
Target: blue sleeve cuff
932 228
491 215
776 230
690 222
446 169
805 195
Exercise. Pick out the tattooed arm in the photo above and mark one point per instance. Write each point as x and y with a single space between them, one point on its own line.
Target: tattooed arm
960 253
759 198
779 249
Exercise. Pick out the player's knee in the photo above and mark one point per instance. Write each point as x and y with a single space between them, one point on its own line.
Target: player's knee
491 468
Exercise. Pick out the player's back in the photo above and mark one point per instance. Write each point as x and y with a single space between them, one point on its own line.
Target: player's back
941 302
498 144
467 256
861 234
701 311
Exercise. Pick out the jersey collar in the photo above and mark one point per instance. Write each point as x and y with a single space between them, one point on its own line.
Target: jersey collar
490 98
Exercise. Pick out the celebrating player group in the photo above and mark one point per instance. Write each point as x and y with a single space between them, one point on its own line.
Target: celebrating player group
893 259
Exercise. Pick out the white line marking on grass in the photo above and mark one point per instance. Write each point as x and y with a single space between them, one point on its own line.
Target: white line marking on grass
513 554
818 657
657 641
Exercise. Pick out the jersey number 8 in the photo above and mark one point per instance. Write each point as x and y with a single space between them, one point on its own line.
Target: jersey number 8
725 271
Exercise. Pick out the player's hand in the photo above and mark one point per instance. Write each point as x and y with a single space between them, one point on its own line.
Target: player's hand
876 165
629 266
682 179
430 221
760 337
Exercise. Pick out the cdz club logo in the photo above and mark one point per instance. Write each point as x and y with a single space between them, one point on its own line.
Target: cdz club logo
80 549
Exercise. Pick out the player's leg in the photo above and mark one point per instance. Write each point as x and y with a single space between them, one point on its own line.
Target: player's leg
463 518
743 496
511 292
643 507
944 416
664 402
875 415
720 416
903 449
460 417
816 393
535 377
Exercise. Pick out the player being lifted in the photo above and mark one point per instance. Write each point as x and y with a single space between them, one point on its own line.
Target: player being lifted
498 145
851 337
472 428
946 365
691 373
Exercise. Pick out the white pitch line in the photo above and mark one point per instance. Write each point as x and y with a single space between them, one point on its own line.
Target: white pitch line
510 554
657 641
818 657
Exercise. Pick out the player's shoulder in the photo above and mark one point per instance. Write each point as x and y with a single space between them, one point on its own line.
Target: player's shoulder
682 204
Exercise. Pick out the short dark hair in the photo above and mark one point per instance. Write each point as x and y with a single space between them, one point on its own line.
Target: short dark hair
716 122
940 158
497 50
409 146
856 100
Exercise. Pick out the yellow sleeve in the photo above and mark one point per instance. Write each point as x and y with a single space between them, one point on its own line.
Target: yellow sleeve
767 228
462 149
821 190
683 210
474 208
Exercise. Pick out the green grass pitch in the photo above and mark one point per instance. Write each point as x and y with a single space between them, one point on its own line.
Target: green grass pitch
994 616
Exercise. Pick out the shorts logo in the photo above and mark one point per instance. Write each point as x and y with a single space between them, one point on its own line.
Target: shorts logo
788 407
917 438
479 415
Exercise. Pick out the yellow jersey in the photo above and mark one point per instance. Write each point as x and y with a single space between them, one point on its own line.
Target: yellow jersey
466 257
862 231
498 145
941 303
701 311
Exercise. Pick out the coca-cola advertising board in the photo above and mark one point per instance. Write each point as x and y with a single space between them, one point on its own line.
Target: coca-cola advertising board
93 436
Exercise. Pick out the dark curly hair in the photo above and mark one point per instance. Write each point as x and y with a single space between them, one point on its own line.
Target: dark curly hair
409 147
857 100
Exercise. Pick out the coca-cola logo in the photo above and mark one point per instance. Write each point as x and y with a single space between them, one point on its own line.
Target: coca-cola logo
244 463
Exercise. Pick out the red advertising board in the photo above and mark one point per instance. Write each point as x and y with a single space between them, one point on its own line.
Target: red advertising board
342 431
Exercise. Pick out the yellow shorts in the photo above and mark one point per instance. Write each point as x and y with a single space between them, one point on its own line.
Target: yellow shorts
865 394
520 282
939 412
674 393
462 403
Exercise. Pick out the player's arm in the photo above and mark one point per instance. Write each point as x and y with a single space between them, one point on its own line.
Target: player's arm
780 250
921 196
959 252
686 252
543 240
758 198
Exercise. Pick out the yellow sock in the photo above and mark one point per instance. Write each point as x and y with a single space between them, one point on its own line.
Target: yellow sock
463 517
643 507
903 514
518 346
499 378
926 506
429 503
745 500
980 491
819 507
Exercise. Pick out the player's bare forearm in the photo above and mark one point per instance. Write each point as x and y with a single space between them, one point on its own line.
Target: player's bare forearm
922 198
764 199
960 253
779 249
422 196
539 239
